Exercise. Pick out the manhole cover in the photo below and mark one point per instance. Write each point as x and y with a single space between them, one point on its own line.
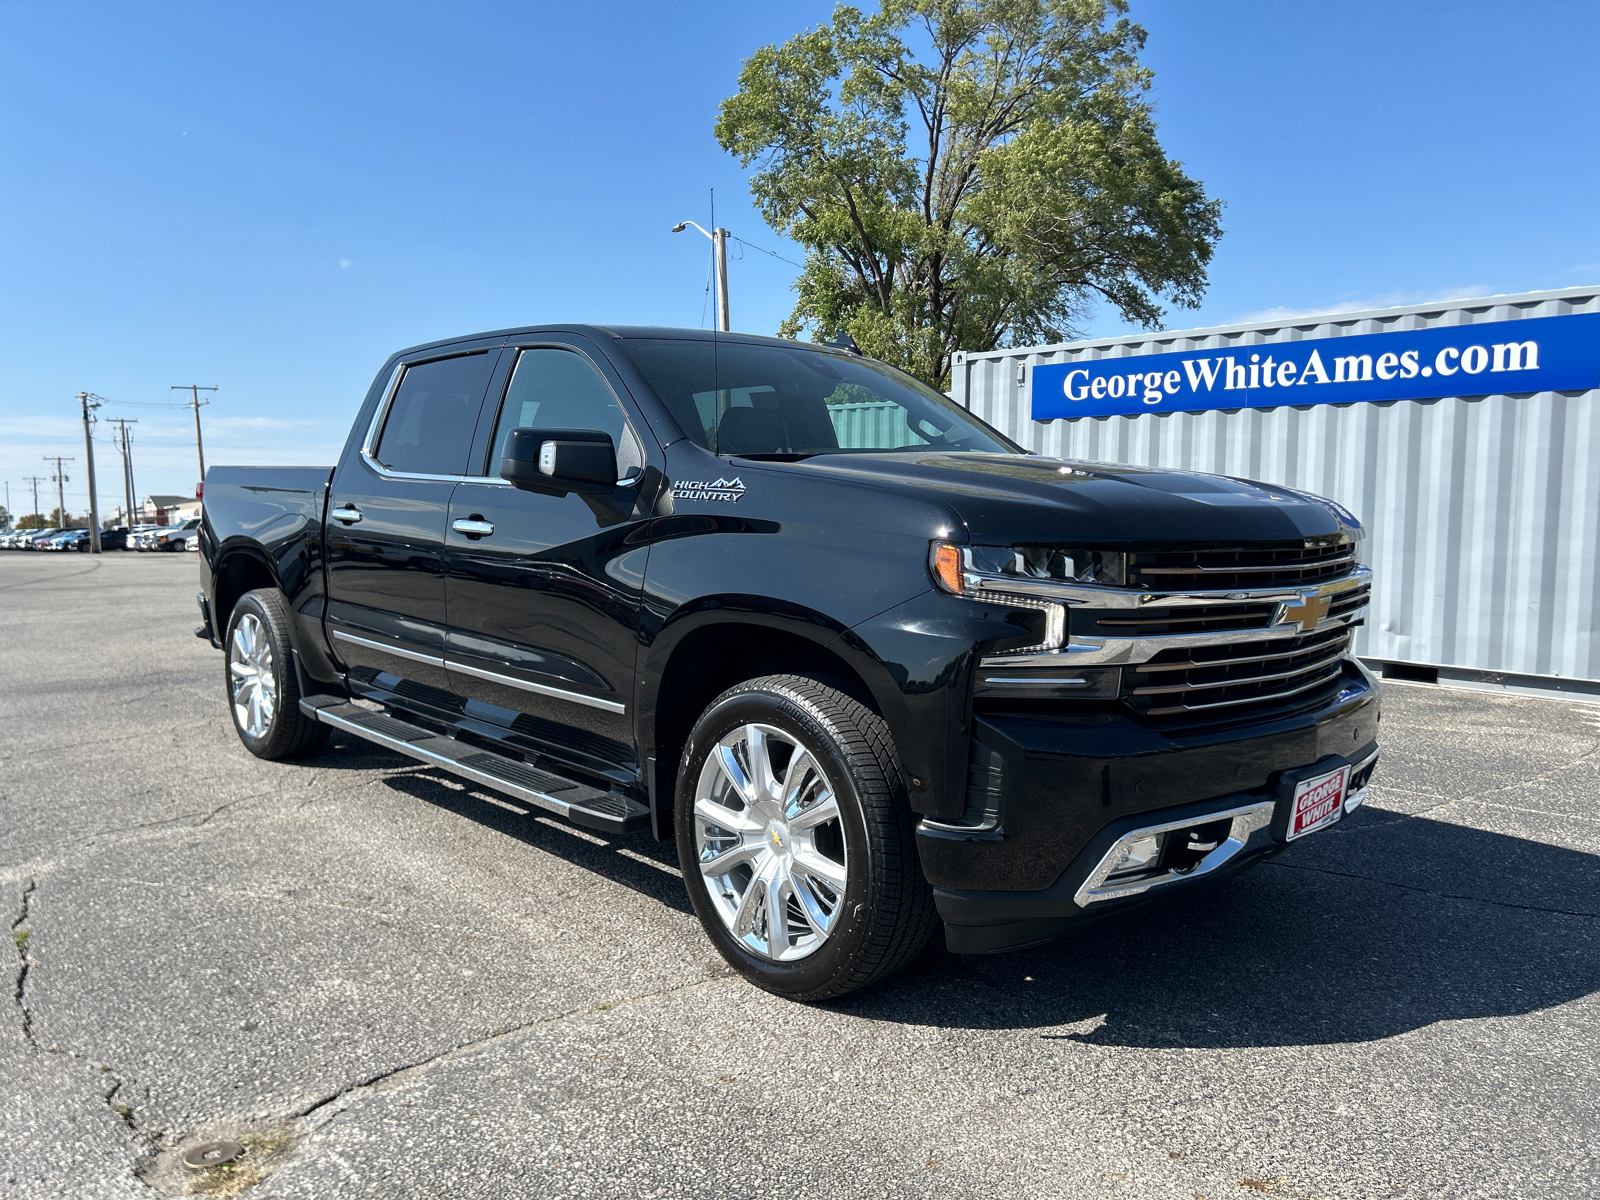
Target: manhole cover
211 1154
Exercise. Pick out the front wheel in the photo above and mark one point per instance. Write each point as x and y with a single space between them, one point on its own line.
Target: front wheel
796 841
263 693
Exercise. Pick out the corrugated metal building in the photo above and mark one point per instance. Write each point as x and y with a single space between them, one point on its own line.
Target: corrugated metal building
1482 511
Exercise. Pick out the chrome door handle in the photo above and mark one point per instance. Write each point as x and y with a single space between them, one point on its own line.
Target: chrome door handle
473 528
348 513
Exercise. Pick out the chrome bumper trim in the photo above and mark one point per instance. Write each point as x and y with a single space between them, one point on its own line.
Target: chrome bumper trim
1359 797
1247 821
1116 652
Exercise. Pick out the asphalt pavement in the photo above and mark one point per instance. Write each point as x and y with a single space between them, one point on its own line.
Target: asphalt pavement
396 985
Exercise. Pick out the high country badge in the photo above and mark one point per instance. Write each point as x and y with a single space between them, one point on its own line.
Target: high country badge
726 490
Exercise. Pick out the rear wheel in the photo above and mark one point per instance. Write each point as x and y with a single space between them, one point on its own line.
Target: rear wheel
796 841
263 693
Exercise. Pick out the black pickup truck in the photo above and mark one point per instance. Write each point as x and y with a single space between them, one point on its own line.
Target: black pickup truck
873 666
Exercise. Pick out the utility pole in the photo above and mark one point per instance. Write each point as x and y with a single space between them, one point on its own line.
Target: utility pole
719 244
60 478
36 481
10 516
719 249
84 398
126 447
194 390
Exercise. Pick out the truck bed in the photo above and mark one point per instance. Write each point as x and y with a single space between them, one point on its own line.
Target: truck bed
267 504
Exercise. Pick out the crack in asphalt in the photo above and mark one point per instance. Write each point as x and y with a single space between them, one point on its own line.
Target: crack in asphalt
24 961
341 1100
204 815
94 565
1411 887
123 1112
140 735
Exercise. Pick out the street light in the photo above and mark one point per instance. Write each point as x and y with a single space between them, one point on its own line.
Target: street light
719 245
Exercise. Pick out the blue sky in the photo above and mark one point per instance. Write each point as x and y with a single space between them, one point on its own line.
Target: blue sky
272 198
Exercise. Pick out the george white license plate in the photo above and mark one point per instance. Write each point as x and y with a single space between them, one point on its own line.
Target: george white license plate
1317 802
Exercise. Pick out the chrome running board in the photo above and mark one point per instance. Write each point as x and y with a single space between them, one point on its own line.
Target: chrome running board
607 812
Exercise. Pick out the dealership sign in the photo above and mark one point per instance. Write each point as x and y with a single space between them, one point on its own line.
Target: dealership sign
1537 354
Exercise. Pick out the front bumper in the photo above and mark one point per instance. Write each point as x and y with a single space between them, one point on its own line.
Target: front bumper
1074 787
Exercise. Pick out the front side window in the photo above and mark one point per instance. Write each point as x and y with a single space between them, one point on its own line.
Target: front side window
737 398
560 389
428 429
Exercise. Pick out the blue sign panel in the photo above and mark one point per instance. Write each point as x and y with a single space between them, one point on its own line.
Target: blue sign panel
1539 354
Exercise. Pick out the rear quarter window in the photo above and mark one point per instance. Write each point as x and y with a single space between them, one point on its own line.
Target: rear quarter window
428 428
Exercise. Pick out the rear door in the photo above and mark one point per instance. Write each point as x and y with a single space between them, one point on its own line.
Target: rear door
387 509
544 592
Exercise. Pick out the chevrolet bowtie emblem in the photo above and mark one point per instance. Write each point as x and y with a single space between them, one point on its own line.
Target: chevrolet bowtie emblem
1306 612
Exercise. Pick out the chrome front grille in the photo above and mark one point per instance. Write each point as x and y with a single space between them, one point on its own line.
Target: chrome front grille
1157 620
1346 604
1230 635
1282 564
1229 679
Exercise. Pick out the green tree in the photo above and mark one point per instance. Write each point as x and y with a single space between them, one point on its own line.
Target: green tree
968 174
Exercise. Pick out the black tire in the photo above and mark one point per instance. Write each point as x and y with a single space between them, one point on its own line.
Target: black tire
288 733
887 915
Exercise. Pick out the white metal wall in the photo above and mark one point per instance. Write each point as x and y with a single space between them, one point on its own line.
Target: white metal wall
1482 514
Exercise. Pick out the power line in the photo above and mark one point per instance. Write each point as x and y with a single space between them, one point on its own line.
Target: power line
152 404
763 250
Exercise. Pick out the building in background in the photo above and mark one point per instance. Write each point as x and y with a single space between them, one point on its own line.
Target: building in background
1464 434
164 510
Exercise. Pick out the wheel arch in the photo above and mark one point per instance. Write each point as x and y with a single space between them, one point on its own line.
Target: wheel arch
720 642
240 568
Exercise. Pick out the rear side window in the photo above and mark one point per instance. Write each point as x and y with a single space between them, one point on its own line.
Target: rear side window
560 389
429 427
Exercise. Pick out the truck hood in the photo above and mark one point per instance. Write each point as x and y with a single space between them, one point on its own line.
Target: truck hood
1009 499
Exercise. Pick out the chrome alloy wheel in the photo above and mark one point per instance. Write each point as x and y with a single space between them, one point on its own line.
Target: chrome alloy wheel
251 681
771 843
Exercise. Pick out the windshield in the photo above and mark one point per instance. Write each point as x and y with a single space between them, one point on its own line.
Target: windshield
737 399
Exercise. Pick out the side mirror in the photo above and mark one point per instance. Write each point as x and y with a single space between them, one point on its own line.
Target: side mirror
558 461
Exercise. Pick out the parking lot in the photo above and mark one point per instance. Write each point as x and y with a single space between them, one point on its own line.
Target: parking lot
414 990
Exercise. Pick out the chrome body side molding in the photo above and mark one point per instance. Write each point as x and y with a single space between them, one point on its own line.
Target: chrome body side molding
434 660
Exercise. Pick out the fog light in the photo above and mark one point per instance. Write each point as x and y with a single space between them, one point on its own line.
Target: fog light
1138 855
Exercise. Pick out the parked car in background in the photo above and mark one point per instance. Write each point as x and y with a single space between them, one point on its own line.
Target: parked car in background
78 539
137 532
34 539
167 537
182 536
61 540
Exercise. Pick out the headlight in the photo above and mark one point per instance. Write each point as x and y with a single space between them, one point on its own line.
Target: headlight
1107 568
949 564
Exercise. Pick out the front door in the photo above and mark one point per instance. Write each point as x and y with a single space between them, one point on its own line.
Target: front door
543 592
387 510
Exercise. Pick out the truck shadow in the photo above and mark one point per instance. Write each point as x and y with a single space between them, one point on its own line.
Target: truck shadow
1384 925
639 863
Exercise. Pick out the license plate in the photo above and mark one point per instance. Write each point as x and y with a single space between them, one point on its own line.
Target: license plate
1317 802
